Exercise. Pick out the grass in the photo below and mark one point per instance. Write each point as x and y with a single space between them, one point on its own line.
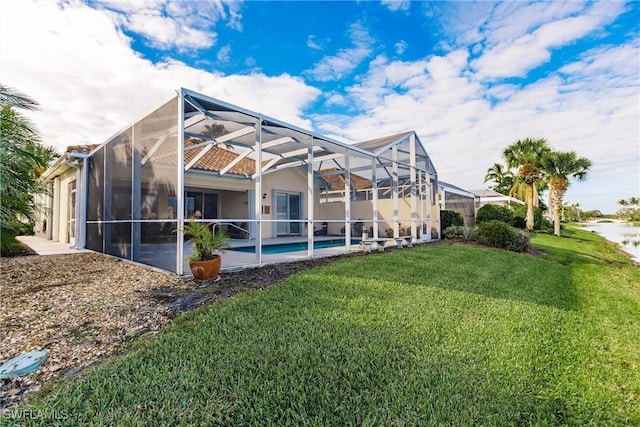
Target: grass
437 335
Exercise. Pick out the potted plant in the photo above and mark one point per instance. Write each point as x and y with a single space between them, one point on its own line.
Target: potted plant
206 260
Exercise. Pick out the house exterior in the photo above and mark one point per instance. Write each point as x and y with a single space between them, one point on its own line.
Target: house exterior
258 178
490 197
456 199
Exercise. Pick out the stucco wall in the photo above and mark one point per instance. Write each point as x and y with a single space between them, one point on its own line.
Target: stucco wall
291 180
234 204
61 212
363 210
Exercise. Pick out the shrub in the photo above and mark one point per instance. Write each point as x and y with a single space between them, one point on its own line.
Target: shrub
460 233
500 235
23 228
449 218
453 232
521 222
520 217
9 246
521 241
494 213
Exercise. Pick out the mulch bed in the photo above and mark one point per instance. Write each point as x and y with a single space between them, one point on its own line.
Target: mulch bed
85 307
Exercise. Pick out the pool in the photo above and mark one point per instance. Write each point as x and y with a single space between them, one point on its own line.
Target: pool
293 247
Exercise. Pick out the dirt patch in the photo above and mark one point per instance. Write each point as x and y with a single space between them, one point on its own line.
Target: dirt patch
83 308
537 253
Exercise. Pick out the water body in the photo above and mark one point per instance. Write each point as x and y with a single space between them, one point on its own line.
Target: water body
626 234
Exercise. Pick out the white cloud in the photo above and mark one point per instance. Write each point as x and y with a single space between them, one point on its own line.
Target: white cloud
532 31
224 54
335 99
345 61
509 21
311 42
165 24
401 47
590 106
165 33
79 64
91 84
395 5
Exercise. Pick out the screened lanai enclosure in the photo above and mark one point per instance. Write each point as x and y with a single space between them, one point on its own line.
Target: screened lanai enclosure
278 191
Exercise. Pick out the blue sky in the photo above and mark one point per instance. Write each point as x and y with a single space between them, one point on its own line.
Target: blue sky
469 77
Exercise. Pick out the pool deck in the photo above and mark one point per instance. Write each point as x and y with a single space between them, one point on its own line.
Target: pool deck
235 260
231 260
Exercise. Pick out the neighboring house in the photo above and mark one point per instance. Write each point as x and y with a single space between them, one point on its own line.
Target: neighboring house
56 216
458 200
490 197
196 157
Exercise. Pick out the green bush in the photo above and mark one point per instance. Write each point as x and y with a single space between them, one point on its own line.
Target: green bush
9 246
497 234
520 218
23 228
459 233
449 218
494 213
521 241
520 222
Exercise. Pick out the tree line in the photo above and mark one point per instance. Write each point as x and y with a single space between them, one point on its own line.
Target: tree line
630 209
538 168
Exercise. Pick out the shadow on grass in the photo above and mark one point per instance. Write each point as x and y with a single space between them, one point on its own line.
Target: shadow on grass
581 247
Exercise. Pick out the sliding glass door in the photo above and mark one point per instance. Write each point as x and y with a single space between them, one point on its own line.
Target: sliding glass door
288 211
201 205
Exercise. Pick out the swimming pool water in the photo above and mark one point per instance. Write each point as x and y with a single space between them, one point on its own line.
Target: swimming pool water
293 247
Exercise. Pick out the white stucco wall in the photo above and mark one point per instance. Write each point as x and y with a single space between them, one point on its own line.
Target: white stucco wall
60 209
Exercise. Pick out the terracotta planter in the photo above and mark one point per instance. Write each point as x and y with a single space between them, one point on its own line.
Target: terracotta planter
206 270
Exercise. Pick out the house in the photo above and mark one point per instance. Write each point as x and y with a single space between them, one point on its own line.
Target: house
262 180
490 197
456 199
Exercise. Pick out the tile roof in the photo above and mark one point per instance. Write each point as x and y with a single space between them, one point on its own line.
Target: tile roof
217 158
82 148
337 181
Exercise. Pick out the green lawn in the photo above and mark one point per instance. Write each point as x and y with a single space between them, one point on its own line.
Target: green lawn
436 335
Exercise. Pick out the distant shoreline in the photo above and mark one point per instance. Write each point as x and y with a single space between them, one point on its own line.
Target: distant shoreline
615 232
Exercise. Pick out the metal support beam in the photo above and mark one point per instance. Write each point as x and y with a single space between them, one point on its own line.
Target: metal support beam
374 191
180 186
258 193
235 161
394 187
222 139
154 148
198 156
347 202
276 142
287 155
412 177
310 198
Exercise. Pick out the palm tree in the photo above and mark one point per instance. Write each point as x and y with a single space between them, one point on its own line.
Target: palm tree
22 157
560 166
519 191
526 155
502 176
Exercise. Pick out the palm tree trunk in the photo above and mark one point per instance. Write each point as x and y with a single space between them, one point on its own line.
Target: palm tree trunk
556 219
557 189
530 193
